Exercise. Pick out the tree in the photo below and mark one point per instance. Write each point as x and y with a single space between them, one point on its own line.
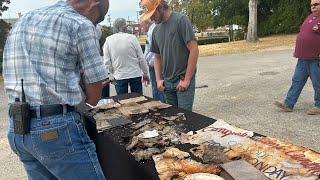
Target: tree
266 8
230 12
285 17
198 11
4 28
252 35
202 15
267 17
3 6
106 31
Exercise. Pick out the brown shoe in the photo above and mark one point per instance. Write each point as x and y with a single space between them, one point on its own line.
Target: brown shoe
283 106
313 111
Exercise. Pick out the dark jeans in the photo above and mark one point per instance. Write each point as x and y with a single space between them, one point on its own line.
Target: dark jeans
134 83
105 92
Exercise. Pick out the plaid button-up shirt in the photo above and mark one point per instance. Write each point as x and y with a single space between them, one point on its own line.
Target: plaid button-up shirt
46 48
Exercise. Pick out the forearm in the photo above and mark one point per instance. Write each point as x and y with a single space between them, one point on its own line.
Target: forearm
144 67
142 61
193 59
108 64
157 66
192 63
93 92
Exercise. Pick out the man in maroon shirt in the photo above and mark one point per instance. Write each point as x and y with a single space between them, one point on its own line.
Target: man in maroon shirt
308 53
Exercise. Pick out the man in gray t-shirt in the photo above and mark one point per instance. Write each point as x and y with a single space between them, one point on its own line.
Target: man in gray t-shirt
176 53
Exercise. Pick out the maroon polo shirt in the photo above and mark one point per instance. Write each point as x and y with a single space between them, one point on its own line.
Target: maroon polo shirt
308 40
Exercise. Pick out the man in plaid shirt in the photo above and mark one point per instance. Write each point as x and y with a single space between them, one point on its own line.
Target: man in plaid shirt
46 48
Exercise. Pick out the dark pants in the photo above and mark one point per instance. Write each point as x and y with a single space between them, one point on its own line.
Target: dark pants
134 83
105 92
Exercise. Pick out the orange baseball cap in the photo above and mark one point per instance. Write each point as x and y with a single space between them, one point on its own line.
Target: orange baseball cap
148 7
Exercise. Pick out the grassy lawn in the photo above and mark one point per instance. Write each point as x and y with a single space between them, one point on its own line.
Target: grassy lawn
278 42
142 39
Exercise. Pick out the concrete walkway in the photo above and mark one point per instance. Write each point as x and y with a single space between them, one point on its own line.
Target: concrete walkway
241 90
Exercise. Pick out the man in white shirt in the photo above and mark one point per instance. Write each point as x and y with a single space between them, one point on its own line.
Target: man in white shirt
124 58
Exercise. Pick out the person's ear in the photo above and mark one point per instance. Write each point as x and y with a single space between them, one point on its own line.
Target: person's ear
93 4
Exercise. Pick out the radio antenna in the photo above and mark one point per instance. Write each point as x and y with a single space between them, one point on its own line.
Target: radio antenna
23 95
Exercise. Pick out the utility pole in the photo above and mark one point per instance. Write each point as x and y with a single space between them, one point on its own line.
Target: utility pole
109 19
138 17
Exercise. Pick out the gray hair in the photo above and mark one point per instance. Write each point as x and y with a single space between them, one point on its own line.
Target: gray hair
119 25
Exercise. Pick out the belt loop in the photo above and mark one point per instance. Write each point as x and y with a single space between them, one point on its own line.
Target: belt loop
65 110
38 111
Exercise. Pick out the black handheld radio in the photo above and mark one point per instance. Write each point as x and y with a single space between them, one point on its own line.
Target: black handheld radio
20 111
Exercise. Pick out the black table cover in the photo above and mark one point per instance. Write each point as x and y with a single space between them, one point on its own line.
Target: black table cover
119 164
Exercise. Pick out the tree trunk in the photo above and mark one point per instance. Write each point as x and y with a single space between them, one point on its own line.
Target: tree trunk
231 32
252 35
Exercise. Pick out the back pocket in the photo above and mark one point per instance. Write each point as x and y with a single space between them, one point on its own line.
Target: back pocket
54 143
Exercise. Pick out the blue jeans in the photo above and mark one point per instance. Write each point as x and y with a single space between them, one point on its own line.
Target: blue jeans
134 83
178 98
57 147
156 94
304 69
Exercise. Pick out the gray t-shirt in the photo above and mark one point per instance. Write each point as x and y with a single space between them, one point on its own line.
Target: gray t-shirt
169 39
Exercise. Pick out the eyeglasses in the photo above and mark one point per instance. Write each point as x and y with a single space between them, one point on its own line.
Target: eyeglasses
314 5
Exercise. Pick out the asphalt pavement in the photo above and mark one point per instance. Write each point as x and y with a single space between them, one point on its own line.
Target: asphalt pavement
239 89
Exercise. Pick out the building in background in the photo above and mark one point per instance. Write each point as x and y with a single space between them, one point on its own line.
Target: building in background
12 21
136 29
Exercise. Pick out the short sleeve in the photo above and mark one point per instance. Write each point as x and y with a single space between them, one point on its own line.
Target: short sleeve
186 30
154 45
89 54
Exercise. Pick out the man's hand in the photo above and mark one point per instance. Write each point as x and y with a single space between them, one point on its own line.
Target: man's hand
183 85
146 80
105 83
160 85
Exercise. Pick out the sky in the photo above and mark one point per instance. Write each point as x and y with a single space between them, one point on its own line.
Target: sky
118 8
